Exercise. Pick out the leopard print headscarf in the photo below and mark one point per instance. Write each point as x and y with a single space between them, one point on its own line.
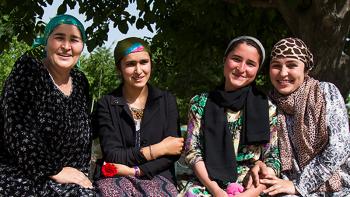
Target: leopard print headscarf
293 48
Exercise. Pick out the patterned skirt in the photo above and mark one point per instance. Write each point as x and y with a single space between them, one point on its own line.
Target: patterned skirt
14 182
131 186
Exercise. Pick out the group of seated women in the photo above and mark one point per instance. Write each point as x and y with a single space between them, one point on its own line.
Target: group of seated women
239 141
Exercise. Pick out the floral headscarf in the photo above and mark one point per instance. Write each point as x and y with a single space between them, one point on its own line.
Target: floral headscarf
129 45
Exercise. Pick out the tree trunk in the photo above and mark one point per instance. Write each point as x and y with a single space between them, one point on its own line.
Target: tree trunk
323 25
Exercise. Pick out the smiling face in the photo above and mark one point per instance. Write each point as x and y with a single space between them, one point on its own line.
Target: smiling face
241 66
135 69
64 46
287 74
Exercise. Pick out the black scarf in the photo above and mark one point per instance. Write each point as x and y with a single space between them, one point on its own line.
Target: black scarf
220 159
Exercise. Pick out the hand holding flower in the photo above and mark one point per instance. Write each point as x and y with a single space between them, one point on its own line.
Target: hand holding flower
109 169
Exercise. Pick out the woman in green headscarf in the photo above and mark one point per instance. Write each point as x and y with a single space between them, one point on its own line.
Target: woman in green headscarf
46 137
139 130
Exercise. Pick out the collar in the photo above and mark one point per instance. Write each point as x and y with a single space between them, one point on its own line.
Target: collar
118 99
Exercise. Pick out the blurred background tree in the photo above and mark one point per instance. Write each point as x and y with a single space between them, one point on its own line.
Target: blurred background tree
100 71
8 58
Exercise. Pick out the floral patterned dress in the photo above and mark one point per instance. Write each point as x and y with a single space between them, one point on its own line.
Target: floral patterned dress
44 131
336 155
246 155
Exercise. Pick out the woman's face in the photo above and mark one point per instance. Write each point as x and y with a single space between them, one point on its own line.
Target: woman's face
64 46
287 74
241 66
135 69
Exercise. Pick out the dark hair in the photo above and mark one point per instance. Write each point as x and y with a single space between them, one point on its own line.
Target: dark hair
248 42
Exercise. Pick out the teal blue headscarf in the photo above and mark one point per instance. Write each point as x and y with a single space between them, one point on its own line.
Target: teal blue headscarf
59 20
40 42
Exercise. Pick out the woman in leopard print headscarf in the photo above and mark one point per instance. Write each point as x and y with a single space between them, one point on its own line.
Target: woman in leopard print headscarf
313 127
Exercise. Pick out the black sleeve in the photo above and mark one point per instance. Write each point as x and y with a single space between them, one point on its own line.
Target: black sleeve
154 167
111 138
21 133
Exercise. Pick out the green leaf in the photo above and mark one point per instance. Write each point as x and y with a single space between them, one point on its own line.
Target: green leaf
140 24
123 27
91 44
71 4
62 9
140 4
40 11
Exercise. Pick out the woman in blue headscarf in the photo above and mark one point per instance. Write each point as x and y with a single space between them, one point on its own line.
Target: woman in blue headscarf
46 135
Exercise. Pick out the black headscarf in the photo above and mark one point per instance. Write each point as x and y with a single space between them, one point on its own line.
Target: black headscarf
220 159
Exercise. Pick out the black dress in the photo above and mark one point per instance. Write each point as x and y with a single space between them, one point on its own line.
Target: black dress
43 131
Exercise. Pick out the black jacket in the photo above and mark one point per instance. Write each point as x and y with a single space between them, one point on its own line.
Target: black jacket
116 130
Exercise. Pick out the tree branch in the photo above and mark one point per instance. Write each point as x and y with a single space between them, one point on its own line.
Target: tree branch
344 59
344 10
258 3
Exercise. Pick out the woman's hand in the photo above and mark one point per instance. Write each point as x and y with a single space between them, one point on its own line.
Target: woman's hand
258 171
215 190
72 175
219 193
168 146
278 186
172 145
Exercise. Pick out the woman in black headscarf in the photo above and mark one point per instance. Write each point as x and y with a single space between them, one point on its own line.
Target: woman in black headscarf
229 127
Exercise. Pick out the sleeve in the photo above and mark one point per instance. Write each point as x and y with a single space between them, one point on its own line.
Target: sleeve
194 135
24 143
271 155
321 168
111 139
154 167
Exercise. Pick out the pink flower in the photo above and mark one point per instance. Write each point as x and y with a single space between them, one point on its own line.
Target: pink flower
233 189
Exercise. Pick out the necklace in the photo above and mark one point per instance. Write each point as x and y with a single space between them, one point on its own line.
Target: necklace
62 90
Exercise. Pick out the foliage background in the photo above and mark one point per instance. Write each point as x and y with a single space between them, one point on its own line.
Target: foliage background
8 58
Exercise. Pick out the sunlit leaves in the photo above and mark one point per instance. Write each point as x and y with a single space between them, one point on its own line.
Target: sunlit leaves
8 58
18 19
100 70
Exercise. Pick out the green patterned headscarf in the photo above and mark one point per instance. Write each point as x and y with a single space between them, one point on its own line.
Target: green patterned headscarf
129 45
39 43
59 20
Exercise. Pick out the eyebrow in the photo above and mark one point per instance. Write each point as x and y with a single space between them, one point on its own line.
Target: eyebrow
252 61
291 61
234 55
63 34
134 61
